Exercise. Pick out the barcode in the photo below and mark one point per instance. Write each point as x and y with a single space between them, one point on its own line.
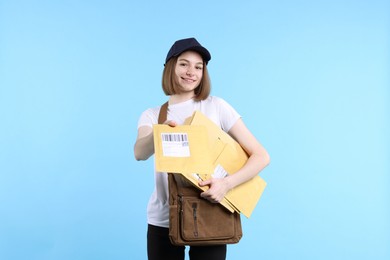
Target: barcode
174 137
175 144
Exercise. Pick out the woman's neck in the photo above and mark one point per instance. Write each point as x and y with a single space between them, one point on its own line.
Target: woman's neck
179 98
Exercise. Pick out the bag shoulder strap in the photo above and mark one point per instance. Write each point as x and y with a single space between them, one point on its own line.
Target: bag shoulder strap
162 116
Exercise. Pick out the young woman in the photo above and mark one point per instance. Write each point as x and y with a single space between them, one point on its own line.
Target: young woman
186 82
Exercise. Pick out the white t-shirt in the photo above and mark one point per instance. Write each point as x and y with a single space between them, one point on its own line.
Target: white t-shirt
216 109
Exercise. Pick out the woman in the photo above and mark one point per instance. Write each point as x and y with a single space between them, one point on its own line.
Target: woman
186 82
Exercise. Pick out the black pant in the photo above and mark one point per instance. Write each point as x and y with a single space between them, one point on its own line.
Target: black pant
161 248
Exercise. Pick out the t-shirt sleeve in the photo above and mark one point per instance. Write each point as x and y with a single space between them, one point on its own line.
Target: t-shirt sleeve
228 115
148 118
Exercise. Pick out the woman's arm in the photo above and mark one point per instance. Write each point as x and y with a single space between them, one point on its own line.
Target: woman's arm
144 146
258 156
257 161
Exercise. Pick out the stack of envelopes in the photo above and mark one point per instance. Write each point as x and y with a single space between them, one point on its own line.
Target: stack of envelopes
200 150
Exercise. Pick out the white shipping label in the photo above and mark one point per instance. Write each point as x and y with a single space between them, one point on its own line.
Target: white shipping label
175 144
219 172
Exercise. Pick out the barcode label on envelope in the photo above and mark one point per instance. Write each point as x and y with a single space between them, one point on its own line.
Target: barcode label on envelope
219 172
175 144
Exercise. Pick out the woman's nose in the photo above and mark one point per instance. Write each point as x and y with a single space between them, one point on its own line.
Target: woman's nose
189 72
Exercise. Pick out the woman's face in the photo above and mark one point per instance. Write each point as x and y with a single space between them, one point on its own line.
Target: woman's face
189 71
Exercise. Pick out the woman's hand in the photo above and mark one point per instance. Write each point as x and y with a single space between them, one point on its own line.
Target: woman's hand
218 188
170 123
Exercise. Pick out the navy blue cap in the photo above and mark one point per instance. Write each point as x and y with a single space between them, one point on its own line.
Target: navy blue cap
183 45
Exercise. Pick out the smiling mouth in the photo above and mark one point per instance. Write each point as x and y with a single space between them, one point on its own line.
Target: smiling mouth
188 80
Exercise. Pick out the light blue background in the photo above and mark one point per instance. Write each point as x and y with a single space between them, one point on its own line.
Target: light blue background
310 78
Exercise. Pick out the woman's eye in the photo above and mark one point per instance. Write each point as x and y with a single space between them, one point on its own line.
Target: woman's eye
199 68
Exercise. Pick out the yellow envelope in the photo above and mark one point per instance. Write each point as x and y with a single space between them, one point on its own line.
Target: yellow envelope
182 149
